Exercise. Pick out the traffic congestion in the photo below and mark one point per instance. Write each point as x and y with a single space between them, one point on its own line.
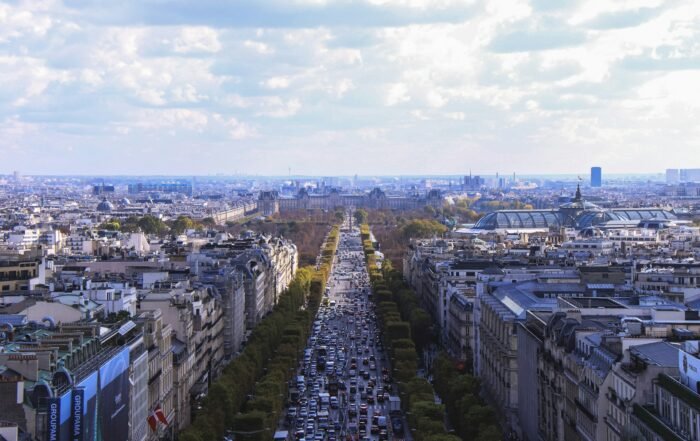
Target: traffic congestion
343 388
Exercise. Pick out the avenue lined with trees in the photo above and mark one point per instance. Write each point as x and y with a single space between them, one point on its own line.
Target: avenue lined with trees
248 398
408 329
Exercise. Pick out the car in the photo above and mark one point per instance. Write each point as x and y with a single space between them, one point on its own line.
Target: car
363 409
397 426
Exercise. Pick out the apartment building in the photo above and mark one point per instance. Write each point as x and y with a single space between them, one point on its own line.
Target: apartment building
20 274
673 410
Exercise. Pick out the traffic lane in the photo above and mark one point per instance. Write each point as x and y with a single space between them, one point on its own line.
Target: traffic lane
342 297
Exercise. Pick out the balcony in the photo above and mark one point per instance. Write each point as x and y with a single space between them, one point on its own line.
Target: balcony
654 423
580 406
679 390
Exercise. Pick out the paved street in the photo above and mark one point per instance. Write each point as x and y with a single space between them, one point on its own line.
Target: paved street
343 388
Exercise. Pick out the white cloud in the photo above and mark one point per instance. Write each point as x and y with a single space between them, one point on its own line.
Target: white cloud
238 130
259 47
276 83
199 39
160 119
397 94
276 107
507 77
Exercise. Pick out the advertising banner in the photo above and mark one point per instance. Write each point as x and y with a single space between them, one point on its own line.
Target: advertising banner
77 414
88 426
65 413
689 367
114 398
53 419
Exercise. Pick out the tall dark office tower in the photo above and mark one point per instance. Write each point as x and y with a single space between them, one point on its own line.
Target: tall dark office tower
596 177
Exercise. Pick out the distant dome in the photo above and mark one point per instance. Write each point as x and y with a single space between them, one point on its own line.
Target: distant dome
125 201
105 206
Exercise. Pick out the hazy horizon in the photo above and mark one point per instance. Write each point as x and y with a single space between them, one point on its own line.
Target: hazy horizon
524 176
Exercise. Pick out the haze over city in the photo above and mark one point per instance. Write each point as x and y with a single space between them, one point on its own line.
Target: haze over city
341 87
349 220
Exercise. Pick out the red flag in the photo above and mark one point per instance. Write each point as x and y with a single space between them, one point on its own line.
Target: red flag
161 416
152 421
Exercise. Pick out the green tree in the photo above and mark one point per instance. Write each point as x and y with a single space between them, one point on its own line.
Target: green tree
111 225
421 326
208 222
361 216
398 330
422 228
130 225
489 433
182 224
152 225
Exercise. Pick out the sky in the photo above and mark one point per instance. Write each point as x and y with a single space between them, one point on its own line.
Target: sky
324 87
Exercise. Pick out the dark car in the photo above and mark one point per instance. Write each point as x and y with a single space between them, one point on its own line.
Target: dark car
397 426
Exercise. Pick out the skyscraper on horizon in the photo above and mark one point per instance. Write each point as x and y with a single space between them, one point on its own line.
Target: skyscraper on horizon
596 177
672 176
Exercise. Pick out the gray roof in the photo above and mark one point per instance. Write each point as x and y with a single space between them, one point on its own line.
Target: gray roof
14 319
519 298
585 215
661 353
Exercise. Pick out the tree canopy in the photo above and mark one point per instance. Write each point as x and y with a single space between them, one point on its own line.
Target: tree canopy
361 216
422 228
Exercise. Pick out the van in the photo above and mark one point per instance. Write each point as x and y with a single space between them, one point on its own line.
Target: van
325 399
281 435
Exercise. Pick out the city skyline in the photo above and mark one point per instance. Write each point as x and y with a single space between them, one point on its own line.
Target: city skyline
342 88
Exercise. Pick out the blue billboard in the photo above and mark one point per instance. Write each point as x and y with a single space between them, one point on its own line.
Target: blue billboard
65 413
87 429
77 414
53 419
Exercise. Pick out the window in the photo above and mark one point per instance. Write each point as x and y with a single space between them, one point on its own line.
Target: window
684 418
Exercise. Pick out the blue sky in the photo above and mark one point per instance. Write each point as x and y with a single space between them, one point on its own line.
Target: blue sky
342 87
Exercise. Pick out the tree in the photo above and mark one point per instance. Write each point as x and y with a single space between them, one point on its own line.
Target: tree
130 225
208 222
111 225
361 216
442 437
422 228
182 224
489 433
152 225
398 330
421 325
